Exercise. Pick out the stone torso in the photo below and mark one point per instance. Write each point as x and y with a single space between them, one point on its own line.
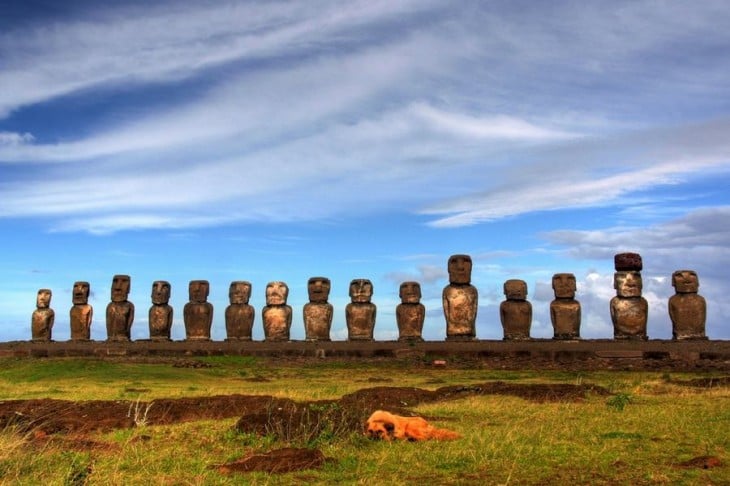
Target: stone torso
460 310
317 321
565 315
119 318
516 316
629 315
160 320
277 322
198 320
42 323
410 319
81 315
360 317
239 321
688 313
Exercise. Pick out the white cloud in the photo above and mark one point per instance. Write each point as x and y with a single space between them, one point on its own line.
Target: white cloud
11 139
160 44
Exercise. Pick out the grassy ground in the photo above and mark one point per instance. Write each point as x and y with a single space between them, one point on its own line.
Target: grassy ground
639 435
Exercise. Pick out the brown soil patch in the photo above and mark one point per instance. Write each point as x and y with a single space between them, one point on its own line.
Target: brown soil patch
261 414
701 462
709 382
284 460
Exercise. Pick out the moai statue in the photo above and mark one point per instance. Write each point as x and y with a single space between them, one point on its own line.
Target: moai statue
119 312
239 314
43 317
629 310
410 313
277 314
687 309
565 310
318 312
81 312
516 312
460 300
198 313
360 312
160 316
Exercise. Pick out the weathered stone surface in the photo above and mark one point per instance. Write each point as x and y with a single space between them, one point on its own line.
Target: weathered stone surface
240 314
687 309
410 313
360 313
160 313
198 312
120 312
460 300
565 311
81 312
629 310
277 315
628 262
318 312
43 317
516 312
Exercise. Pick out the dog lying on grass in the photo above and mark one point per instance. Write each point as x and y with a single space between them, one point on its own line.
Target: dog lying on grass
386 426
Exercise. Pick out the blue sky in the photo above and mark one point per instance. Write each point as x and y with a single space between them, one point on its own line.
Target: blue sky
268 141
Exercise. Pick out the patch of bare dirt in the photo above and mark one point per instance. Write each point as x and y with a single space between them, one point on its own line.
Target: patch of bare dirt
709 382
701 462
284 460
261 414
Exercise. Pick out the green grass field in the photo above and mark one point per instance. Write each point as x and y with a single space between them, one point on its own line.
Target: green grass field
646 432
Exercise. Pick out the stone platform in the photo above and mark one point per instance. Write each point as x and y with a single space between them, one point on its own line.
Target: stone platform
533 354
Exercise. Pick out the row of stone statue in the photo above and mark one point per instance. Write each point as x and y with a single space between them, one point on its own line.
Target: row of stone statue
629 310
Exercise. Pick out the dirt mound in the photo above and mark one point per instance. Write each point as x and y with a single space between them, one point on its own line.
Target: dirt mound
262 414
284 460
710 382
701 462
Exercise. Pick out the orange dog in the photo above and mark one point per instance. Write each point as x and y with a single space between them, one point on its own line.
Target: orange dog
386 426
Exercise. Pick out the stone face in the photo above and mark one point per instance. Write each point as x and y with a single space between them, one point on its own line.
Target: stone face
43 317
198 312
410 313
460 300
516 312
119 312
239 314
318 312
360 313
565 311
687 309
627 262
161 313
81 312
629 310
277 315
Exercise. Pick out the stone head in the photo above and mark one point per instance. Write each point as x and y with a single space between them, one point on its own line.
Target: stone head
43 299
160 292
410 293
627 284
198 291
361 290
515 289
239 292
276 293
318 289
459 269
564 285
121 285
81 293
685 282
